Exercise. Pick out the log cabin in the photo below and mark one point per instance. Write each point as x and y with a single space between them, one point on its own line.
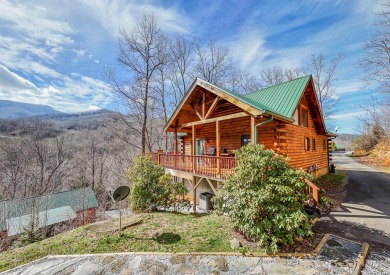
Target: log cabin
211 122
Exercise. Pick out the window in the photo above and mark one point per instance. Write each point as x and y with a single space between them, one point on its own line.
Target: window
324 144
245 139
304 117
314 144
307 144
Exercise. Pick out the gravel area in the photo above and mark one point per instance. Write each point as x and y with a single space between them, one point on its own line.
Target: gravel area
377 262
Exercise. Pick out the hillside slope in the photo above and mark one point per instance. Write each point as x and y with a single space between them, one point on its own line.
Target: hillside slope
12 109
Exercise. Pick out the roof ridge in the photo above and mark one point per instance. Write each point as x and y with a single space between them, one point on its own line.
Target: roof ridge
278 84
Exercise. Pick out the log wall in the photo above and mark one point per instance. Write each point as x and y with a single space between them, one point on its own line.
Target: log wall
284 138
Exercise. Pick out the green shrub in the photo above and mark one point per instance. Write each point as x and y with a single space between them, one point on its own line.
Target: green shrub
264 198
152 188
148 191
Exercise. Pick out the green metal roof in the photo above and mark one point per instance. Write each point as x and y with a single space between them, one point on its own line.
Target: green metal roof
283 98
17 225
77 199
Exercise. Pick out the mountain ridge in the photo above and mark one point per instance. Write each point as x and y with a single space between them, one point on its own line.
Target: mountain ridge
12 109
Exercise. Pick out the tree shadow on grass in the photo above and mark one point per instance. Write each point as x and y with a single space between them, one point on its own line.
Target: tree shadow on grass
167 238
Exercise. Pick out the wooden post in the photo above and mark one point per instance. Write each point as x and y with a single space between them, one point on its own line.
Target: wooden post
175 143
218 141
194 193
315 197
193 148
204 105
253 130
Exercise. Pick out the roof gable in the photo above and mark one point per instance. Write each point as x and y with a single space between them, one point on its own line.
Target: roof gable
282 98
280 101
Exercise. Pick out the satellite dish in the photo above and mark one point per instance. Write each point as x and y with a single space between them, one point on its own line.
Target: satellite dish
121 193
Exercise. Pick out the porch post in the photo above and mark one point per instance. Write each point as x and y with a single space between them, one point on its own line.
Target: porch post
253 130
194 193
193 149
218 145
175 143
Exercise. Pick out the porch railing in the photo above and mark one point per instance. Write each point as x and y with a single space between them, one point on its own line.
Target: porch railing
212 166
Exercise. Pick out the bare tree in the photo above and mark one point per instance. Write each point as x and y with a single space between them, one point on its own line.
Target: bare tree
48 158
376 62
182 57
243 82
277 75
213 63
373 126
141 53
323 76
13 164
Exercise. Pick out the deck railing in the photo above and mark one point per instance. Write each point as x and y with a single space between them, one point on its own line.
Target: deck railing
212 166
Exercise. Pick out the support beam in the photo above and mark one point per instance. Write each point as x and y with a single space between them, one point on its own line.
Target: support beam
204 104
198 182
193 149
221 118
194 194
253 130
211 185
197 113
218 143
212 108
175 142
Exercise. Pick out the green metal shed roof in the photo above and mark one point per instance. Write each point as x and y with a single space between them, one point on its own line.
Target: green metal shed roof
282 98
77 199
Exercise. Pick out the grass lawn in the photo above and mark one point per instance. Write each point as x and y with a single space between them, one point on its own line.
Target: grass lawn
156 232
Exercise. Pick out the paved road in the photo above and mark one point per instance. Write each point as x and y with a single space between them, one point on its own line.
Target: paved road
365 213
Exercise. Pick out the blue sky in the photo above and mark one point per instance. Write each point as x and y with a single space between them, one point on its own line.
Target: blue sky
54 52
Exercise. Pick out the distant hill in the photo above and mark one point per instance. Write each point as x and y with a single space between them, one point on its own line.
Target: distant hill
51 125
12 109
345 141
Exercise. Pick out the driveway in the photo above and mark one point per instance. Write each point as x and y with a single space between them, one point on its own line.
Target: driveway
364 215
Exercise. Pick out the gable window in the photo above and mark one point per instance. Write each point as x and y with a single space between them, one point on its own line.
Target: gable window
245 139
314 144
307 144
304 117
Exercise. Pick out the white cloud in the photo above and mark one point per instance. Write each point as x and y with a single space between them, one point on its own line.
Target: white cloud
349 115
10 80
80 52
73 94
120 13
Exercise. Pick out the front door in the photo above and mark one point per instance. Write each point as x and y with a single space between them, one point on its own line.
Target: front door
200 146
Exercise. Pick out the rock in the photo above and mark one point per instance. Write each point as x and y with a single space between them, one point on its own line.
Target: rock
177 259
127 272
194 259
276 268
219 263
257 270
185 269
152 267
215 272
119 264
251 261
235 243
238 267
135 262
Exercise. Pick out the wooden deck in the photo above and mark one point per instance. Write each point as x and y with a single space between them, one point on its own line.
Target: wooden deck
212 167
208 166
